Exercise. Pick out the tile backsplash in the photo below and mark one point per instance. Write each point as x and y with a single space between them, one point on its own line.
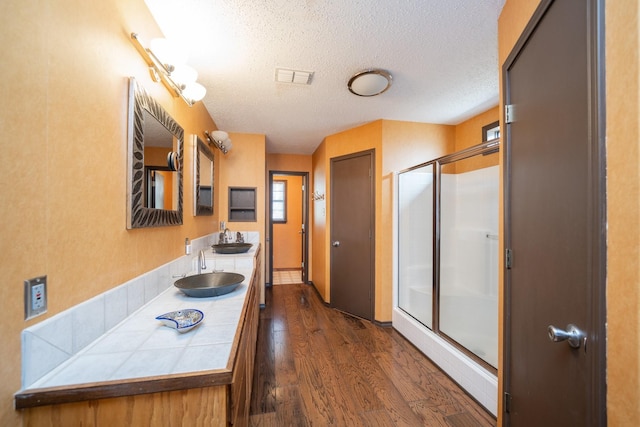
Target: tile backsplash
52 341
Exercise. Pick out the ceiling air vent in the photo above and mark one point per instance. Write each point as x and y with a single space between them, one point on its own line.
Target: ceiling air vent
285 75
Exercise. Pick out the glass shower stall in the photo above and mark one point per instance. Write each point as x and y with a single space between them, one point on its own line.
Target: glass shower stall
447 257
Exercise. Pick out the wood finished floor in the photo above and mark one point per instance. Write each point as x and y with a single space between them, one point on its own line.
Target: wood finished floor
316 366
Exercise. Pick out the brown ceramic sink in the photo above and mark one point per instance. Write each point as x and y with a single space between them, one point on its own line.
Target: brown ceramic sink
209 284
232 248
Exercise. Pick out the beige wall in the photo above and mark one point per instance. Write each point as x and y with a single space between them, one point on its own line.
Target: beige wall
622 43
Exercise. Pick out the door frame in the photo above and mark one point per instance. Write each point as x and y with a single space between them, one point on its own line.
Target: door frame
372 202
597 203
305 220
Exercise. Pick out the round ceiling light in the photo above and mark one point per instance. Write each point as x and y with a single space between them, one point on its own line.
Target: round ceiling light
370 82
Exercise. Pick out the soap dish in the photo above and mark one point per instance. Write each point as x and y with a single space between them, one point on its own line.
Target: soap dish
182 320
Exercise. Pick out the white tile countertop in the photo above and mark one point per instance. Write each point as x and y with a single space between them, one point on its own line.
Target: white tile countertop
141 346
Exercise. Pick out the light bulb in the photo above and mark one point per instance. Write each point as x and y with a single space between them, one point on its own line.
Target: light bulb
184 74
219 135
194 91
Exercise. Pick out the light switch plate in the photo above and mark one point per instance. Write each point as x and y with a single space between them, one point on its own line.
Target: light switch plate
35 297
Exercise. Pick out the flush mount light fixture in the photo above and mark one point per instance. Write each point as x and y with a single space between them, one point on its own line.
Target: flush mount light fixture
166 64
370 82
220 139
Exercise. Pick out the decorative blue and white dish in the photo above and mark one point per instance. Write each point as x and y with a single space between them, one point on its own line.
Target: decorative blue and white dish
182 320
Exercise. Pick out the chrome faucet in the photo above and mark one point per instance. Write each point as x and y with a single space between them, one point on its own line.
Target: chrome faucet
202 263
223 237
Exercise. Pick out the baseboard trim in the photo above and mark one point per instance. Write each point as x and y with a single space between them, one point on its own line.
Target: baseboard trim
387 324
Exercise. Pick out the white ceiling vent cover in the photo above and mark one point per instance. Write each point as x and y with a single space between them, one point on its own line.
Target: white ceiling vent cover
285 75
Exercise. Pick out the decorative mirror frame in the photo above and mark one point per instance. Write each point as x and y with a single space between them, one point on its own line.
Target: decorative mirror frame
200 148
139 216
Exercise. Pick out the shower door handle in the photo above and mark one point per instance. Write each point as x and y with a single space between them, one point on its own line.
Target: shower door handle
572 335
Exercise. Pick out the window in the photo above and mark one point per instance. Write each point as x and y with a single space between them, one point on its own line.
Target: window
491 131
279 201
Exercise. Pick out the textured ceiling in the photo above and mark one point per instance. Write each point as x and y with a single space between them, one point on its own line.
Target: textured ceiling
442 55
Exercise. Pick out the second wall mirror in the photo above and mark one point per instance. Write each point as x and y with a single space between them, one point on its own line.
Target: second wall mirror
203 163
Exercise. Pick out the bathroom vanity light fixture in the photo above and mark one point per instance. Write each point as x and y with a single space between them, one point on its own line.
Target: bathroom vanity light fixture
370 82
220 139
166 64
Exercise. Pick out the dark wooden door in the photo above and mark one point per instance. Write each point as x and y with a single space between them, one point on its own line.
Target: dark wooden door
352 231
554 228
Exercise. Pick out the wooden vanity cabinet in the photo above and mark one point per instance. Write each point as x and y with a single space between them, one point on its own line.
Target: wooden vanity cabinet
245 357
212 399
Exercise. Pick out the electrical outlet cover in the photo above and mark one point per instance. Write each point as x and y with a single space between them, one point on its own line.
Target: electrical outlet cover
35 297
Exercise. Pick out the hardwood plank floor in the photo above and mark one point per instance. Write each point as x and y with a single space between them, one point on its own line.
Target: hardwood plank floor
316 366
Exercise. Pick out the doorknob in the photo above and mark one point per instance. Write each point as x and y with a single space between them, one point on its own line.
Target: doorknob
335 244
572 335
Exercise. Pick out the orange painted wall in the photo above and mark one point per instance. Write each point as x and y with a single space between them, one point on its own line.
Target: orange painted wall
362 138
65 75
287 241
468 134
289 162
319 273
398 145
623 211
295 163
244 166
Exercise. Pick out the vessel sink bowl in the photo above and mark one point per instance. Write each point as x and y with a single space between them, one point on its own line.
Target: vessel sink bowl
209 284
232 248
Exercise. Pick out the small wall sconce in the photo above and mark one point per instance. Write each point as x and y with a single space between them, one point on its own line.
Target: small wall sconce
166 64
220 139
317 196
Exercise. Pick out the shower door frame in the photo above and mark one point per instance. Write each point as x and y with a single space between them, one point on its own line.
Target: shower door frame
488 147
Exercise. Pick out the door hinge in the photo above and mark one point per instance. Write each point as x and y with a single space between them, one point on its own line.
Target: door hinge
508 258
509 113
302 187
507 402
302 264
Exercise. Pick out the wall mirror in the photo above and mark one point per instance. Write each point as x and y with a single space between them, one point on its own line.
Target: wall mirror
202 178
155 155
